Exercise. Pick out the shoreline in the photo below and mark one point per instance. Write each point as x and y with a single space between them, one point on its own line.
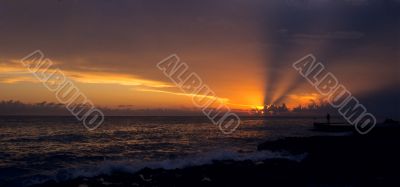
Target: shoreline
354 160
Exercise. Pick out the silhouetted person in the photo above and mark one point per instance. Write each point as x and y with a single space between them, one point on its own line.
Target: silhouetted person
328 118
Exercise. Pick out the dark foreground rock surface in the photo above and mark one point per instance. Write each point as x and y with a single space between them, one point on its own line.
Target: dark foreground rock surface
357 160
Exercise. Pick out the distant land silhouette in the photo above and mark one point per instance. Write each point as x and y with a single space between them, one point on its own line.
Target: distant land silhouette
18 108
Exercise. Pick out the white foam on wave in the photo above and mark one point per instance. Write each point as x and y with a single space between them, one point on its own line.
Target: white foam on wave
108 167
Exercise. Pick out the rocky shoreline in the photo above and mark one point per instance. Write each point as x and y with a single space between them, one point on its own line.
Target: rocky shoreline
355 160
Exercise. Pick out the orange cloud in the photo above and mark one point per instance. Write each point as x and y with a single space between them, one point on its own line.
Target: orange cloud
14 72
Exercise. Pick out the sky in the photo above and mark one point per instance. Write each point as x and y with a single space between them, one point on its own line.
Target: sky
242 49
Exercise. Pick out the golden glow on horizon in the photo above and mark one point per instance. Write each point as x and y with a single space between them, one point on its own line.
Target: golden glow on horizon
246 91
248 96
245 98
302 99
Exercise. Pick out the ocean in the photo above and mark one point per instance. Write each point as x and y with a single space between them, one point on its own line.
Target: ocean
36 149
